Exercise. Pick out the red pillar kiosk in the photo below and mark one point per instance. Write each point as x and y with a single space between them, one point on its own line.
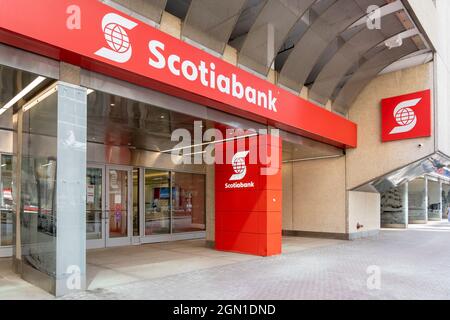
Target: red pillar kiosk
247 201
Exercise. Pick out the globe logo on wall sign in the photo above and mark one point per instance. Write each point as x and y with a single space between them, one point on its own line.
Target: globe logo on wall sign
239 167
117 38
405 116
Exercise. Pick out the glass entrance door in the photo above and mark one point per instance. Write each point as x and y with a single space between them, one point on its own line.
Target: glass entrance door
95 207
126 205
118 206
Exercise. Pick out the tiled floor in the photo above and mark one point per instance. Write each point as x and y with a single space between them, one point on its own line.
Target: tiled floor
412 264
14 288
112 267
431 226
117 266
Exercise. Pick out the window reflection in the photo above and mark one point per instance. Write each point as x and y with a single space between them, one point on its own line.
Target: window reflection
157 202
188 202
118 203
94 207
136 198
6 200
434 200
38 186
445 200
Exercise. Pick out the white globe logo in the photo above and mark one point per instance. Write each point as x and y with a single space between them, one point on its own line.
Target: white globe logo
119 48
405 116
239 165
117 38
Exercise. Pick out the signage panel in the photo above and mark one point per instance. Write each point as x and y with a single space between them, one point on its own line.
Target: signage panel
97 37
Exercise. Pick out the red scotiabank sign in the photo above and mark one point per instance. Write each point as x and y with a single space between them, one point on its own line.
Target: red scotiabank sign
97 37
406 117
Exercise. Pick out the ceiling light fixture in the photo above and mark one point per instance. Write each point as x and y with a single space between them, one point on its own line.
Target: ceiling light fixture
22 94
47 164
41 97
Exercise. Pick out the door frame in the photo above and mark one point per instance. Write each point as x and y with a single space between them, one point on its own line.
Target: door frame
115 242
7 251
106 242
99 243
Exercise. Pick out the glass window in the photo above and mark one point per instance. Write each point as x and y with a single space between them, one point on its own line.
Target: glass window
434 200
94 208
6 201
188 200
157 202
136 180
445 200
38 186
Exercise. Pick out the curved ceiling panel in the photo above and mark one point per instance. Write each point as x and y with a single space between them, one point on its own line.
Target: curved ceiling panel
245 22
335 20
269 32
178 8
150 9
369 70
349 55
211 22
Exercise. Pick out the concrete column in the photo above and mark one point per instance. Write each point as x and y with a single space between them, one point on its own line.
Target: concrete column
53 189
71 189
418 201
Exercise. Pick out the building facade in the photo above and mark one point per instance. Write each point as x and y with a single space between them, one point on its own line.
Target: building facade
320 118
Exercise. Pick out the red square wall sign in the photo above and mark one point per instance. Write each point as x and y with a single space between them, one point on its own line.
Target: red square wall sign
406 117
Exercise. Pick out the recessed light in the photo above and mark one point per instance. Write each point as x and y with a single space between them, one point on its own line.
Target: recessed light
22 94
112 104
162 117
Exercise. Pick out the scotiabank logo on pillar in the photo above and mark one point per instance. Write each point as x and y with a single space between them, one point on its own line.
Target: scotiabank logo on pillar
239 166
240 171
406 117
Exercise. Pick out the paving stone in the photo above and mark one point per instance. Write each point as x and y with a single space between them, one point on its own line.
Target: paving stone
414 264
